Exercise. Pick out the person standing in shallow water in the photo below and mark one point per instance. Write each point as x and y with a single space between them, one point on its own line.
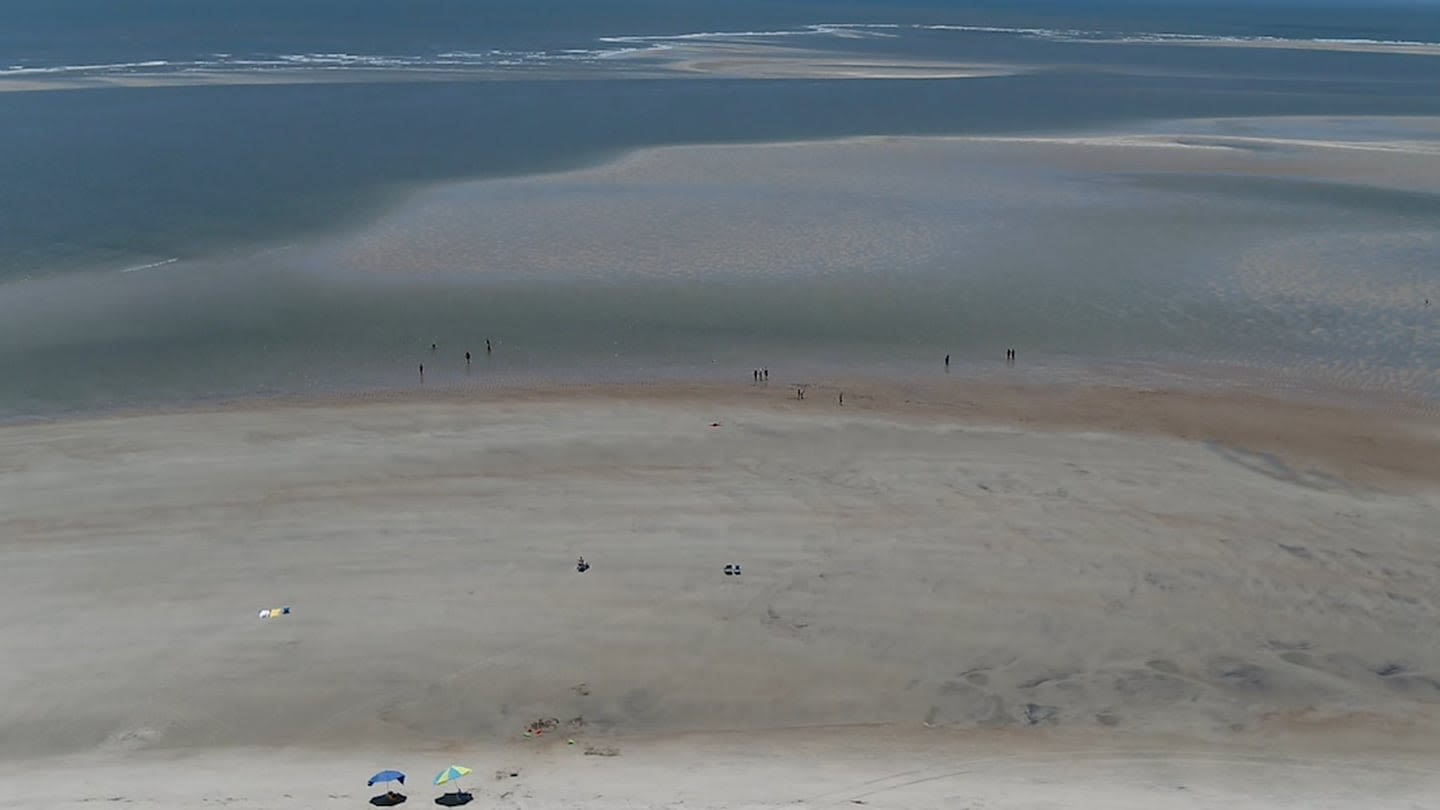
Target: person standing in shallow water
947 362
422 372
487 345
467 359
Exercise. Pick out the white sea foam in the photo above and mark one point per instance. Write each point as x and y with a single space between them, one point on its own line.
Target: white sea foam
1062 35
1161 37
818 29
993 29
620 46
1401 42
708 35
151 266
62 69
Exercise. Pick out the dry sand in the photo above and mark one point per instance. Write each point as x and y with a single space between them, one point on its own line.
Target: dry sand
940 606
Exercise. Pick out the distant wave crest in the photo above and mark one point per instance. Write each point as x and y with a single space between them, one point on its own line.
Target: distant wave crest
151 265
1160 37
610 50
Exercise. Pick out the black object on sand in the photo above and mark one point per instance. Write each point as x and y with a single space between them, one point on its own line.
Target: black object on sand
455 799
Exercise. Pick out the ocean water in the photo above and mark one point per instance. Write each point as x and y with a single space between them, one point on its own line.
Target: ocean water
174 177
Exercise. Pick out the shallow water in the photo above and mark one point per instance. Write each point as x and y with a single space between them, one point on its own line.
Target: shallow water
170 244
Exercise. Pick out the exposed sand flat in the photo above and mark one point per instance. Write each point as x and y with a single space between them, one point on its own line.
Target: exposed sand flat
755 61
1228 142
835 207
1277 43
981 593
1237 243
733 60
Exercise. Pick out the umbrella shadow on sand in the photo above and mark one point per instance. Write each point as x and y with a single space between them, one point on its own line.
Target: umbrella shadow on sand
389 799
455 799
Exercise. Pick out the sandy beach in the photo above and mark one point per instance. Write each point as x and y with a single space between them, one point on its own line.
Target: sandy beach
383 390
956 597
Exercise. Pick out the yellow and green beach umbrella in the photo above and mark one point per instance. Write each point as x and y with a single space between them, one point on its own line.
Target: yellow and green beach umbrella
451 774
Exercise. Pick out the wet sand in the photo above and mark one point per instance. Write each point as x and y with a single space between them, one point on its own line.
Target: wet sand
1297 251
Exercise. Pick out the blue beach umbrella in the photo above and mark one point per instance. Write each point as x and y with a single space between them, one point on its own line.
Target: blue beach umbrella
386 776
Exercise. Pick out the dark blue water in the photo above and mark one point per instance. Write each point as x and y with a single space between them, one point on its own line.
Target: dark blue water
97 31
106 177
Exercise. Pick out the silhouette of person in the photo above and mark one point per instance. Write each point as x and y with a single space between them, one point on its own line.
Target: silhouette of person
487 345
422 371
842 398
765 374
434 346
467 358
947 362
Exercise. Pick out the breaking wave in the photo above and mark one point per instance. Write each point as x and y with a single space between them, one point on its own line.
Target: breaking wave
610 50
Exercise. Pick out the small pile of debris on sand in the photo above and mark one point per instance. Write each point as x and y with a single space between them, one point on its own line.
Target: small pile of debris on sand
541 725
